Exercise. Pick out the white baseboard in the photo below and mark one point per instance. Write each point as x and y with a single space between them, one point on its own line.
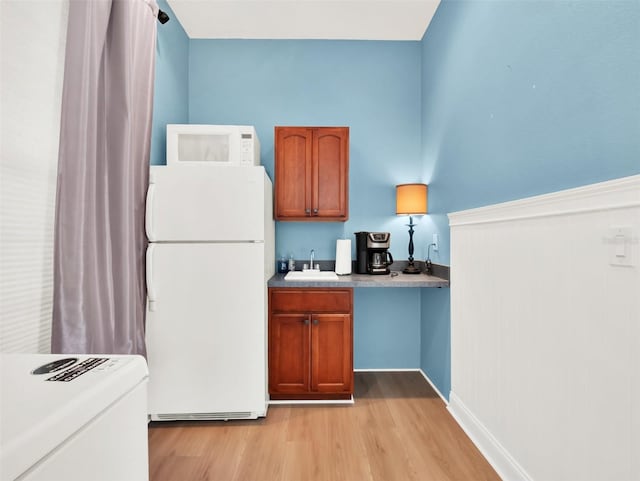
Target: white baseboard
388 370
312 401
498 457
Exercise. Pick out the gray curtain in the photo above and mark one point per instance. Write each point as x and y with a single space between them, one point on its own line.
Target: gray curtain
103 165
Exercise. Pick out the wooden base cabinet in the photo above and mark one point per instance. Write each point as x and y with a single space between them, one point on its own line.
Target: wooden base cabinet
310 343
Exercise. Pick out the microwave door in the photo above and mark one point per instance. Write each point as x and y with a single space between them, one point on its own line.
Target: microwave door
205 147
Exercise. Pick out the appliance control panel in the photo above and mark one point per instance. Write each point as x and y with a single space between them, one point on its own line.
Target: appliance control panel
378 240
379 236
246 146
69 368
78 370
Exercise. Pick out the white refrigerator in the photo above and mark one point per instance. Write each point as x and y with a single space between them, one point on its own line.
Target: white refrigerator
211 253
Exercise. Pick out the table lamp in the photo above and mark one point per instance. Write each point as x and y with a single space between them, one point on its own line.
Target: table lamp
411 199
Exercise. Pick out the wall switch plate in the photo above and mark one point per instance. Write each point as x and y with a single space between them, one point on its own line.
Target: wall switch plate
436 242
622 243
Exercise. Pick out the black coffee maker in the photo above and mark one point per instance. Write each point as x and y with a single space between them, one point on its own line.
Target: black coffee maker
372 252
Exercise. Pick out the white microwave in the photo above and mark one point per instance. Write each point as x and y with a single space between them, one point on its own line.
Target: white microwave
212 144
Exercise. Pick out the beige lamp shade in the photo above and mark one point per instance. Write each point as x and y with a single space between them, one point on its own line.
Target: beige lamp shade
411 199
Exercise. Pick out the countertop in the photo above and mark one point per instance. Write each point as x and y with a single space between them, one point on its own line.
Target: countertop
366 280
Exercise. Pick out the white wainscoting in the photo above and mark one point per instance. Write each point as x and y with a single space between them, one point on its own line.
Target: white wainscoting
545 333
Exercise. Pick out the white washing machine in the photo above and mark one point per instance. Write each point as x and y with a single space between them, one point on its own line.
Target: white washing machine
73 417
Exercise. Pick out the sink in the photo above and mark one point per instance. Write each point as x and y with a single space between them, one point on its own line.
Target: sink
311 275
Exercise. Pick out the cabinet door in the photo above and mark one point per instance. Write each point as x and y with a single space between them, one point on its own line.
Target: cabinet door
312 173
289 353
293 147
331 353
330 182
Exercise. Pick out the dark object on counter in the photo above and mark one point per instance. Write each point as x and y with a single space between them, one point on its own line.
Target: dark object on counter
429 267
372 252
283 266
411 267
380 262
361 252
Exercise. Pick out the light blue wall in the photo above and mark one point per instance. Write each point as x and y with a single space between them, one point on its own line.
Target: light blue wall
386 328
372 87
525 98
518 99
171 95
435 335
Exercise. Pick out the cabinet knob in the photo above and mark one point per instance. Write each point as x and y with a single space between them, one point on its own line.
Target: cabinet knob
315 322
307 211
306 322
315 211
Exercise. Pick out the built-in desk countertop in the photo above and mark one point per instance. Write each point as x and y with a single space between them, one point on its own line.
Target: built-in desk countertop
366 280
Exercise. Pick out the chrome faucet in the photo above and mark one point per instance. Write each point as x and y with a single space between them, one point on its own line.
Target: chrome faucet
312 257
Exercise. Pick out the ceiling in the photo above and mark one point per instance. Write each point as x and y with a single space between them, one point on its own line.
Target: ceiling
305 19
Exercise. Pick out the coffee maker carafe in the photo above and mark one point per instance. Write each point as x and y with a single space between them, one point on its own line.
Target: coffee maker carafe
372 252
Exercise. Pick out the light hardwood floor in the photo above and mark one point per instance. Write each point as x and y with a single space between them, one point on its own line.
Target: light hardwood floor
398 429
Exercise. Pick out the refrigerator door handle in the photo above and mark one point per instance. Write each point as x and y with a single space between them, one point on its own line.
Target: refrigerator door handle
148 224
151 293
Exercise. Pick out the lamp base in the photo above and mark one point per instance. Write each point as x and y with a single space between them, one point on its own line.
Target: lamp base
411 269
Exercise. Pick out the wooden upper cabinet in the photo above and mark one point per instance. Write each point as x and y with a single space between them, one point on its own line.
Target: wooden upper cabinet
312 173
